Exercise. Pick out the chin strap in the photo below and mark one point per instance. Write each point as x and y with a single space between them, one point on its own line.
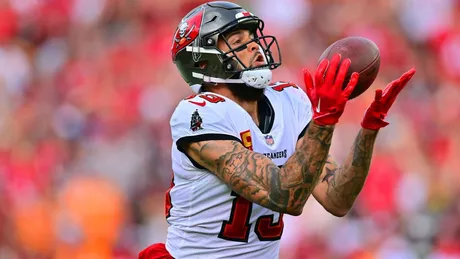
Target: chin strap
257 78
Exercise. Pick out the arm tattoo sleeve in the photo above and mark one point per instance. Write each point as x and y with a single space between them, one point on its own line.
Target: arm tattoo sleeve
346 182
256 178
309 160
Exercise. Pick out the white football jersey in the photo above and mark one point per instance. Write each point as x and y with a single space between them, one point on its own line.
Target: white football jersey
207 219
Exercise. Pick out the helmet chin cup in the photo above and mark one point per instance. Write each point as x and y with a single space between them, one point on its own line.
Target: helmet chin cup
258 78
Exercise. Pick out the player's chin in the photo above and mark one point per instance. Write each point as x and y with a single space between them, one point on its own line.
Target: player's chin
246 93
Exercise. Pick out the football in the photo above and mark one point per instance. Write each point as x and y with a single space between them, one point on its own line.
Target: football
365 59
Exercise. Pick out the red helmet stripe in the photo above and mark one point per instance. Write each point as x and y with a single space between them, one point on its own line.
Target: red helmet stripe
186 32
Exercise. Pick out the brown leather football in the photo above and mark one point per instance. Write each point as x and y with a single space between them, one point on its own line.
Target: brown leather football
365 59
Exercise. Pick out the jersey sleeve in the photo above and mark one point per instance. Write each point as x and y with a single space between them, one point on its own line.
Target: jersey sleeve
198 120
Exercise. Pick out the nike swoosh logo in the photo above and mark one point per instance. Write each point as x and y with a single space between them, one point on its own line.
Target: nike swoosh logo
319 103
202 104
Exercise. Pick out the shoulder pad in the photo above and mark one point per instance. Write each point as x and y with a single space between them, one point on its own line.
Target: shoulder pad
200 114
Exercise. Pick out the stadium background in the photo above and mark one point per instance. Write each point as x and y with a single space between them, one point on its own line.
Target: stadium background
87 88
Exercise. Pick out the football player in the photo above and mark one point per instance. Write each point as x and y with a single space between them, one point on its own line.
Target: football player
247 150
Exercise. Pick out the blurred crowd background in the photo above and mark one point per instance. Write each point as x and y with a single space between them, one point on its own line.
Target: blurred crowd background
87 88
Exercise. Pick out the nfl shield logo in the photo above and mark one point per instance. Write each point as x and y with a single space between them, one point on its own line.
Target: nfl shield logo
269 140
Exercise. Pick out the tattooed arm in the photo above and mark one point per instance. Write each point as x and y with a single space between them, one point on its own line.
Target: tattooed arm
340 185
258 179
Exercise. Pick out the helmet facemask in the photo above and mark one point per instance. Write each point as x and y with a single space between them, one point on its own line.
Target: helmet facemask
265 44
253 76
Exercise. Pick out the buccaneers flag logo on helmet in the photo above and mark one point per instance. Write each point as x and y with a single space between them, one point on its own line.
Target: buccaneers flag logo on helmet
186 32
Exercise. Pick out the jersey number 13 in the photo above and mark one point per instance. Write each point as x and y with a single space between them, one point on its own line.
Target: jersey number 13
237 227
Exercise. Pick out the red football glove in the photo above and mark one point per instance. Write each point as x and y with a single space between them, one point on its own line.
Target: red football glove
376 113
326 93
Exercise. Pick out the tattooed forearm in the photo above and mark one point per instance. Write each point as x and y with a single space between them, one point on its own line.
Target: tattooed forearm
346 182
258 179
309 160
250 174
